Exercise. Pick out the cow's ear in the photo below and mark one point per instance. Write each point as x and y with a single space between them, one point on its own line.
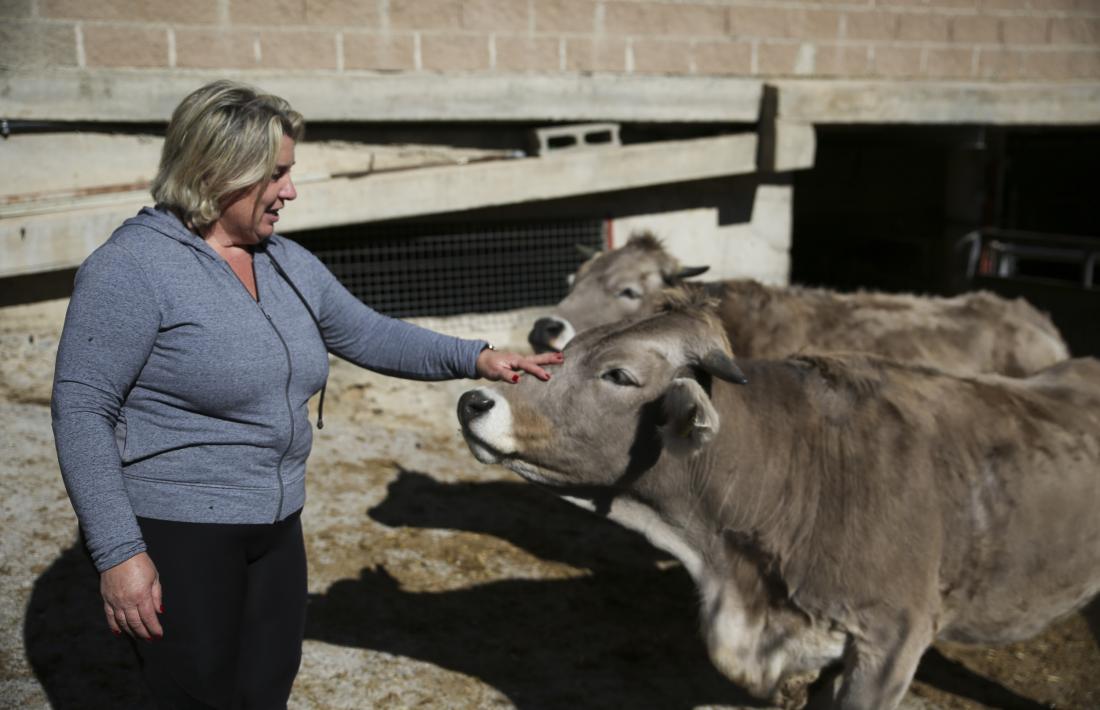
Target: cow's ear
690 419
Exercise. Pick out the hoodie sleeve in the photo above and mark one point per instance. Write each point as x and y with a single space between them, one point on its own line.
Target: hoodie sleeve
109 331
386 345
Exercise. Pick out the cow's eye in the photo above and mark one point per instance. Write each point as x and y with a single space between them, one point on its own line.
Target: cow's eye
620 377
631 293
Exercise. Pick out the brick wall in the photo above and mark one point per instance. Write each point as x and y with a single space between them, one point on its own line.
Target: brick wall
995 40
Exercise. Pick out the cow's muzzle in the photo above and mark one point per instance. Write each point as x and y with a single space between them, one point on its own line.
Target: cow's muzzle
486 424
550 334
472 405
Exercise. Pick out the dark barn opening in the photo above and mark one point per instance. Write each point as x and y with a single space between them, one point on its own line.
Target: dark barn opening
942 210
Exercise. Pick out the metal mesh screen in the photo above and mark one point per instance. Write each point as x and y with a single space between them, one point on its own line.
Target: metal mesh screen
446 269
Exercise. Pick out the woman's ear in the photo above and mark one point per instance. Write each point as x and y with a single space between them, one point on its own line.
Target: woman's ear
690 419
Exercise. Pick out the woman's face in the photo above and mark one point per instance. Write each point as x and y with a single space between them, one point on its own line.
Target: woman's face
250 218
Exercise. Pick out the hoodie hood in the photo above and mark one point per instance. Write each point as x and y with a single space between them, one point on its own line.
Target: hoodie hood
162 221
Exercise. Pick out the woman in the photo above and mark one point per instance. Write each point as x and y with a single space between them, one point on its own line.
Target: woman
194 340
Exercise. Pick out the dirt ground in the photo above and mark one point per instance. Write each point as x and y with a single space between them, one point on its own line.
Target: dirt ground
435 581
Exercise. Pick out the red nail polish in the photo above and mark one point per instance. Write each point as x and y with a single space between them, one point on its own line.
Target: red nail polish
116 632
161 608
515 378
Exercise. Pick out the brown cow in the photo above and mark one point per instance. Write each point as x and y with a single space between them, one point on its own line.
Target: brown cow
971 333
836 509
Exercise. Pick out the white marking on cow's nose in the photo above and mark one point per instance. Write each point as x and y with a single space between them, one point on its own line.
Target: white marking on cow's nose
473 404
486 415
562 339
550 333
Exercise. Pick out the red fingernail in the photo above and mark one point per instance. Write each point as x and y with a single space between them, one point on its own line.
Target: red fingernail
161 608
515 378
116 632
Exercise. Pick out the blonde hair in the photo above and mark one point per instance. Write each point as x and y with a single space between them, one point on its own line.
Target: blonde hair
222 139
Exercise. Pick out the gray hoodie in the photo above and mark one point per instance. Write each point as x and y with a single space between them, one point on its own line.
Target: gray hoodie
177 396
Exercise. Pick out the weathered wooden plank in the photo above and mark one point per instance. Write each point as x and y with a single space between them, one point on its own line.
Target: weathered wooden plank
35 238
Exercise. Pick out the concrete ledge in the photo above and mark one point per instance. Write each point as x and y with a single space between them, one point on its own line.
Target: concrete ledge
133 95
817 101
117 95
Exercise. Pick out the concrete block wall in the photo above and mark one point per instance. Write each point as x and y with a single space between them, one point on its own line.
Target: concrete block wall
986 40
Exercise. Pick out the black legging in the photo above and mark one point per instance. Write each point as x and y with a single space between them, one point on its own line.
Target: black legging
234 601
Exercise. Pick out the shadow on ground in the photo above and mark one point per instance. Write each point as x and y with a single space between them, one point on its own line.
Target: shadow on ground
523 514
623 634
1092 616
955 678
624 574
73 654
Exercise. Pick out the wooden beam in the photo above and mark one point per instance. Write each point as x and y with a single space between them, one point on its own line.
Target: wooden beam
35 238
453 189
784 145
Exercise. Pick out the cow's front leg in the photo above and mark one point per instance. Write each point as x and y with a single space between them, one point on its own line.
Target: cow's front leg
879 667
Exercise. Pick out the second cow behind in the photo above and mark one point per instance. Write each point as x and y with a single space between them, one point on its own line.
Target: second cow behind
972 333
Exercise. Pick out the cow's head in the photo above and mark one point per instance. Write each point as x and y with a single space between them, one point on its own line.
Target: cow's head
626 394
608 287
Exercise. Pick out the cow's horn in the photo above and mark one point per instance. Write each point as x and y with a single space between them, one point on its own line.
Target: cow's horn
723 367
688 271
586 251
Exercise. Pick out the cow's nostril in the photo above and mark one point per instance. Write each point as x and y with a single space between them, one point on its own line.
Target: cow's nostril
545 330
473 404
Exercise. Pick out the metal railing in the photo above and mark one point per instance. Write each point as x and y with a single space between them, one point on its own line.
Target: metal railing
1017 254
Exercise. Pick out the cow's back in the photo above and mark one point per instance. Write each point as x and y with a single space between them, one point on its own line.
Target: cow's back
1025 339
971 333
976 498
1028 534
918 504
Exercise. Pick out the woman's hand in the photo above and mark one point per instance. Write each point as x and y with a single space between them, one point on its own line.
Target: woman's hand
506 366
131 597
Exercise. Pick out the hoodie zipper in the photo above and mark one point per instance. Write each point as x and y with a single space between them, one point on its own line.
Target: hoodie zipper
286 386
289 409
182 235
